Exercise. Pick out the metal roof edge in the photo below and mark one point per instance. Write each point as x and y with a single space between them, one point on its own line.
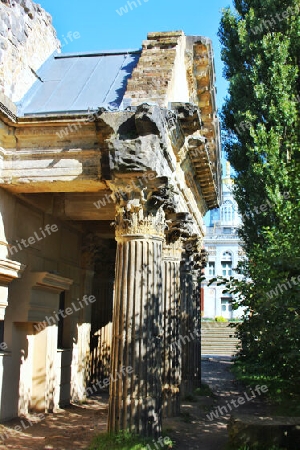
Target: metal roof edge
99 53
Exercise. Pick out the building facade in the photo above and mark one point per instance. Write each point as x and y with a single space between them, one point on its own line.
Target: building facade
224 251
109 162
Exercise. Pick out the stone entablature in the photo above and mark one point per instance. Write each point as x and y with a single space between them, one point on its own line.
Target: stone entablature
82 167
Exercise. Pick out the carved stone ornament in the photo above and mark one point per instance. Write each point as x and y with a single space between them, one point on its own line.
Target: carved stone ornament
143 211
192 253
133 218
193 245
180 225
164 195
204 258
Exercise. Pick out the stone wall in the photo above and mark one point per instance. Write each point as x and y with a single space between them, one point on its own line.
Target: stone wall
36 372
27 39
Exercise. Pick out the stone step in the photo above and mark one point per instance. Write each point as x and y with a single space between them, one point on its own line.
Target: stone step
220 344
217 335
214 347
217 338
217 327
218 353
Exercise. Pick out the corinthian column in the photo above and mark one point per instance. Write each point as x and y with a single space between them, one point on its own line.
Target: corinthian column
136 389
191 316
171 326
179 227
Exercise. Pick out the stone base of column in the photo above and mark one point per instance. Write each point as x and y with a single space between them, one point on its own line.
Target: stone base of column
171 401
139 416
188 387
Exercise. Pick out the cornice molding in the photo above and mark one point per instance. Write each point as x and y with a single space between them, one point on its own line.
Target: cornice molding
50 281
10 270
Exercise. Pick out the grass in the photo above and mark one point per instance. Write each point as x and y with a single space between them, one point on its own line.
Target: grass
235 320
286 399
204 391
190 398
81 402
125 440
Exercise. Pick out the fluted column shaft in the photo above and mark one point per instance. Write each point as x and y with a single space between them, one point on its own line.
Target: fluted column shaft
171 323
190 324
135 398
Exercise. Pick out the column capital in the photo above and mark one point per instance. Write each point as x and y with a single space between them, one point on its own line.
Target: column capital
193 245
141 209
192 253
203 258
180 227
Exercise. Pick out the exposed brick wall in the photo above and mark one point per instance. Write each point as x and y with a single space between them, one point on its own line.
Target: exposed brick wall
27 39
153 77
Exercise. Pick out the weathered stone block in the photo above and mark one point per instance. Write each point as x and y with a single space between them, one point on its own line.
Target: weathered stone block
263 432
148 120
136 155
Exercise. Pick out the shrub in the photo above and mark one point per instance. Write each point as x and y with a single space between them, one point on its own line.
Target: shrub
220 319
204 390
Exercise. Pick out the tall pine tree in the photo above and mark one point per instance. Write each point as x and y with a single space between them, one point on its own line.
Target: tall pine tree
261 52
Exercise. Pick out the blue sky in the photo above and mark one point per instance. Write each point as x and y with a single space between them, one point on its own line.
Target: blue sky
101 27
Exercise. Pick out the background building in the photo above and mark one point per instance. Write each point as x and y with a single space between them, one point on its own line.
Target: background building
224 252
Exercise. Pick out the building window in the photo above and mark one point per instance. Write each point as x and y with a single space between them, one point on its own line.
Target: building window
60 323
226 308
227 214
226 264
226 268
227 256
211 269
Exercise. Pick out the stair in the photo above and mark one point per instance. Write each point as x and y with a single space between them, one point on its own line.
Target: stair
217 338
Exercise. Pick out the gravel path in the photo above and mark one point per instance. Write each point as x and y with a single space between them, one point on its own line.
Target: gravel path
201 433
69 429
74 427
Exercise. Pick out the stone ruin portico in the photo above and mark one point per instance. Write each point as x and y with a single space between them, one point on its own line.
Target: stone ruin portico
128 191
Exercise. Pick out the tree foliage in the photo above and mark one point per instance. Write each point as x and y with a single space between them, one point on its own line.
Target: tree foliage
261 118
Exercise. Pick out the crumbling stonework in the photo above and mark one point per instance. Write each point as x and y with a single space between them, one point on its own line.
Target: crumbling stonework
127 191
161 70
27 39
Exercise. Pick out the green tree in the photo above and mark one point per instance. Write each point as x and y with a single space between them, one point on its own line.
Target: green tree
261 50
